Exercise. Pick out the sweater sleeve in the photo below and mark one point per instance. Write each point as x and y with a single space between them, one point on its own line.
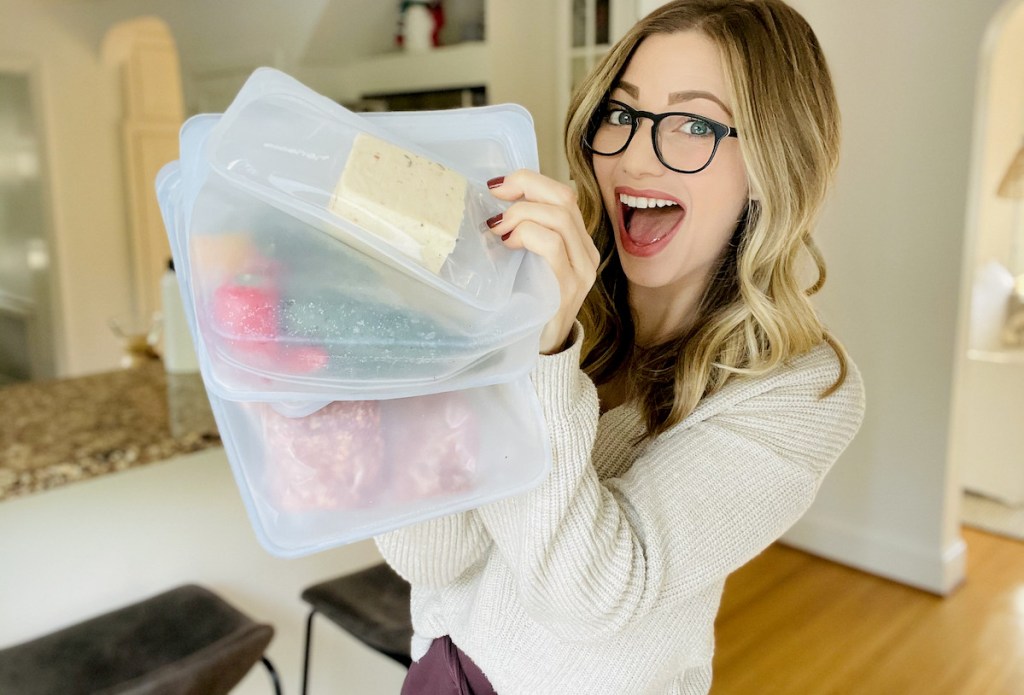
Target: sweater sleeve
590 556
435 553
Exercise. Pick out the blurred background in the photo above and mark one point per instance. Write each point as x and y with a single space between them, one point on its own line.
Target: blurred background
924 234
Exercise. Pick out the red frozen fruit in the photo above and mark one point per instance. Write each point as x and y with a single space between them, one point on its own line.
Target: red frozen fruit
246 310
303 359
433 442
330 459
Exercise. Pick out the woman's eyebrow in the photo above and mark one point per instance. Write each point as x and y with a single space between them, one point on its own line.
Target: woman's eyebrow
675 97
630 89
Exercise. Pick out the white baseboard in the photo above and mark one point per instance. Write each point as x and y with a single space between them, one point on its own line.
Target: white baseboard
936 570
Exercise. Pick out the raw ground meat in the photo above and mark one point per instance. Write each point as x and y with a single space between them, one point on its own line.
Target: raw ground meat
352 454
433 444
331 459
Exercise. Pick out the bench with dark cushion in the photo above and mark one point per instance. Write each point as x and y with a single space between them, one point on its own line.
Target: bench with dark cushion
186 641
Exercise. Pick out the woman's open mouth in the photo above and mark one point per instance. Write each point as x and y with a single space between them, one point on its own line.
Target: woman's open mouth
647 222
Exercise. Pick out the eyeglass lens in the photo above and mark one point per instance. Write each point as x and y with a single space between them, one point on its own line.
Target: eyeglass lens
685 142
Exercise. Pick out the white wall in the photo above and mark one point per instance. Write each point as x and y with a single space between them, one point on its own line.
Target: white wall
94 546
894 234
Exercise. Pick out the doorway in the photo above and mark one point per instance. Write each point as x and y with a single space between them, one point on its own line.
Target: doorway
988 397
27 339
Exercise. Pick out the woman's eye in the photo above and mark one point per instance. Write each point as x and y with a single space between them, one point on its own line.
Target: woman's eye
618 117
697 128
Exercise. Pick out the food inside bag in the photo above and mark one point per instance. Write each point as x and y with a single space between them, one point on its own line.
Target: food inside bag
280 310
330 459
413 203
367 186
354 386
283 309
318 474
353 454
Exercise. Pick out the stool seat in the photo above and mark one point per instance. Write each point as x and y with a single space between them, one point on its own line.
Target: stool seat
186 641
372 605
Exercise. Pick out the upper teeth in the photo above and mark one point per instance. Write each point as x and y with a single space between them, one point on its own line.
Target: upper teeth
636 201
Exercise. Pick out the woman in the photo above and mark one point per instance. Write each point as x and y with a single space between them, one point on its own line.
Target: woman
694 400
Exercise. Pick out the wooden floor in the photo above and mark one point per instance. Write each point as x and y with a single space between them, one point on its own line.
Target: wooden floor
794 624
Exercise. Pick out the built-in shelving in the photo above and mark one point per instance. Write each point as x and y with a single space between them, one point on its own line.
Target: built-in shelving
447 67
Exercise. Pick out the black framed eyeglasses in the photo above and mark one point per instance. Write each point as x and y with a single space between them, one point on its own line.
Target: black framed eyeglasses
684 142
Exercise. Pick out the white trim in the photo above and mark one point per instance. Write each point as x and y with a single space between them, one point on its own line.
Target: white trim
934 569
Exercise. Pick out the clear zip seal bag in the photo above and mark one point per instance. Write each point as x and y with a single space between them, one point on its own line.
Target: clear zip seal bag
368 186
354 469
316 466
286 312
316 474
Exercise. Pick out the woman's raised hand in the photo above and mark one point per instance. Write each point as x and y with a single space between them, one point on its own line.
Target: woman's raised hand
545 219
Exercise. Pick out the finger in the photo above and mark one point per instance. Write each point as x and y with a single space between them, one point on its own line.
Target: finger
564 221
534 187
544 242
549 245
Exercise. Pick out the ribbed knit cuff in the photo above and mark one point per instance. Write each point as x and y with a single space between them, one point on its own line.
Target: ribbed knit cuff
556 377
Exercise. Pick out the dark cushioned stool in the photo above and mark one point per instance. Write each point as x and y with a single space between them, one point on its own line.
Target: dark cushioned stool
372 605
186 641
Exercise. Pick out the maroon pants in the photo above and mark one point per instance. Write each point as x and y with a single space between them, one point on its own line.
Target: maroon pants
445 670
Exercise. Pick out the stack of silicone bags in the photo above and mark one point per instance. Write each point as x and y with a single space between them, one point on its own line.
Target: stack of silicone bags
356 389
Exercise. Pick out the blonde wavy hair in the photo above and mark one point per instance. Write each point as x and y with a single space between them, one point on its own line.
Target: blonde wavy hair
754 314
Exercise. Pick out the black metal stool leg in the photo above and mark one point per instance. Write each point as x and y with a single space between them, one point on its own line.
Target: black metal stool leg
305 660
273 675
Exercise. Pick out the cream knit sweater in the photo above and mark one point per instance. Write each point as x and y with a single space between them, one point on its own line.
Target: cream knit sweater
607 577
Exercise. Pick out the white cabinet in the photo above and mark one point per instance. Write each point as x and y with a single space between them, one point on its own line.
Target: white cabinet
989 442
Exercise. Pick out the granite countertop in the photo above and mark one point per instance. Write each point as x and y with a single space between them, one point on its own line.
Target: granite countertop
54 433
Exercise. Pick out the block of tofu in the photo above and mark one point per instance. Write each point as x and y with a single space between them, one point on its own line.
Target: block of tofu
409 201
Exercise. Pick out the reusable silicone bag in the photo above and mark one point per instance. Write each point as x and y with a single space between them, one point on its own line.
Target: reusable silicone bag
284 312
355 469
291 147
327 457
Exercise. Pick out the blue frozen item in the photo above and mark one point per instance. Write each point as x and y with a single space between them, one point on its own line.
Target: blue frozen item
351 326
290 146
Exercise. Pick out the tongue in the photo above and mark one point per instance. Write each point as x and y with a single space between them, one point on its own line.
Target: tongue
645 226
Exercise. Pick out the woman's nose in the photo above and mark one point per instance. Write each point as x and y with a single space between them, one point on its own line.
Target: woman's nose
639 157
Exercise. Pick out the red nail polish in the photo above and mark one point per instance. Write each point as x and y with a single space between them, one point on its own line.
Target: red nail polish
493 222
496 181
505 236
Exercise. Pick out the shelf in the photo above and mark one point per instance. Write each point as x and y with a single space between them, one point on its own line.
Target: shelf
1002 356
588 51
448 67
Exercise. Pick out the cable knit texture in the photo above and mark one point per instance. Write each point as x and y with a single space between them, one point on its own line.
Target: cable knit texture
607 577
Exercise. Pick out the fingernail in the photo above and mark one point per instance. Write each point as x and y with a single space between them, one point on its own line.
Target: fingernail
496 181
505 236
493 222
